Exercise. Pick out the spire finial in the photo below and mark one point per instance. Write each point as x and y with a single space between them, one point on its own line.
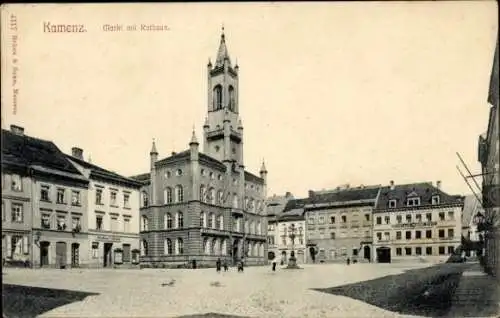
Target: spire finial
153 148
193 138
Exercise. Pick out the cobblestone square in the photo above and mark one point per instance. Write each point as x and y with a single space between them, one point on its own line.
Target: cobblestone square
258 292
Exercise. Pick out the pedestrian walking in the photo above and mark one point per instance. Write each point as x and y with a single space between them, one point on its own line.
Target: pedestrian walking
240 266
225 265
348 261
274 263
218 265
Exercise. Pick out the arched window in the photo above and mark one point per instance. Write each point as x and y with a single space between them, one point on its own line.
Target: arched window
224 247
168 247
202 193
145 199
221 221
167 196
212 196
206 246
167 220
235 201
247 226
145 223
212 247
203 221
179 193
144 248
259 228
252 227
180 220
238 225
217 97
216 247
179 247
220 197
261 249
211 221
255 249
232 99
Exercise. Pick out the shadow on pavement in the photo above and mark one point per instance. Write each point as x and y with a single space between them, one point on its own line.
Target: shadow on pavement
27 301
422 292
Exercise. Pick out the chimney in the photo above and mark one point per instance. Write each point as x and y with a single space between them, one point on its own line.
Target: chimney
438 184
311 193
392 184
18 130
77 153
174 153
288 194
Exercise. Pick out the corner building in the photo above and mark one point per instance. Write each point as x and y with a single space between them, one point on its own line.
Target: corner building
199 206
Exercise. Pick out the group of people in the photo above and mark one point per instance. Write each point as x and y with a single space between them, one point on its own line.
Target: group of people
219 264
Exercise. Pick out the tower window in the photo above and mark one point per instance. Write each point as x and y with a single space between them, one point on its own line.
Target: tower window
217 97
232 101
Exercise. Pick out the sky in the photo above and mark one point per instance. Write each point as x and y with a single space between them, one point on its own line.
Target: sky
329 93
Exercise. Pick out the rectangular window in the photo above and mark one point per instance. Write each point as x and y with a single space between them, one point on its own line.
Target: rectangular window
441 233
126 200
399 251
310 220
75 198
344 219
379 236
16 183
61 222
441 216
98 196
367 234
428 234
399 219
321 220
95 249
413 202
418 218
441 250
379 220
367 217
418 234
408 218
408 251
387 236
398 235
418 250
44 193
387 220
126 225
45 224
332 235
112 198
114 223
428 250
451 233
332 220
60 196
354 252
75 224
392 203
408 235
451 215
17 213
98 222
435 199
428 217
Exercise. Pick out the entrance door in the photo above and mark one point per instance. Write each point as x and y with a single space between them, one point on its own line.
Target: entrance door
367 252
107 254
61 254
383 255
44 253
75 254
235 251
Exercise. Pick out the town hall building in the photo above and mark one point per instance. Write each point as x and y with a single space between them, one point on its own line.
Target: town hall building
198 206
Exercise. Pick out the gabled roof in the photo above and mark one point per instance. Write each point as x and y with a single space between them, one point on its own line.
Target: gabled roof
276 204
296 204
103 174
253 178
143 178
22 150
175 157
424 190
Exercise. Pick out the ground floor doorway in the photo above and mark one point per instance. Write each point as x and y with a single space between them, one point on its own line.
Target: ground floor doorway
367 252
61 254
44 253
107 257
383 255
75 255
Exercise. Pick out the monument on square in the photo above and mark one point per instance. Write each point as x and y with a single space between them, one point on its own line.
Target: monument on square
292 261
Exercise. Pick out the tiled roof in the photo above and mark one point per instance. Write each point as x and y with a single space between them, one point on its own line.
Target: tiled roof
295 204
144 177
253 178
180 155
276 204
292 215
101 173
212 161
345 195
29 151
424 190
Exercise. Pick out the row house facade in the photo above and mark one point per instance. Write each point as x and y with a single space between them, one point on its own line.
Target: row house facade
291 233
488 153
274 208
416 220
46 196
204 205
339 223
112 218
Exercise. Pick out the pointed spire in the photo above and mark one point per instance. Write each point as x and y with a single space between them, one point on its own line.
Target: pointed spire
222 53
209 62
193 138
263 167
153 148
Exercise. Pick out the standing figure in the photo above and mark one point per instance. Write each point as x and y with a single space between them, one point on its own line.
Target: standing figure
218 265
225 265
274 263
348 261
240 266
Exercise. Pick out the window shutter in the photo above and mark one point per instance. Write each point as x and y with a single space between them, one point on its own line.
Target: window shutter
25 245
9 246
